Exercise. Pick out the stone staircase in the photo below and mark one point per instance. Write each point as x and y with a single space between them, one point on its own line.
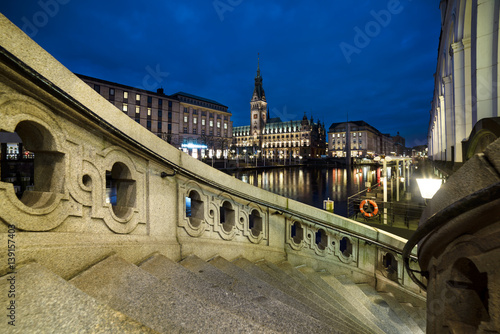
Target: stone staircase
193 295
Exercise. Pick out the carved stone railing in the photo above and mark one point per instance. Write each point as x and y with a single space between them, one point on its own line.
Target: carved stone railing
103 184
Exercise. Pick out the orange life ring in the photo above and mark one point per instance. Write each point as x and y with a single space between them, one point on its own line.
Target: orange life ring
369 202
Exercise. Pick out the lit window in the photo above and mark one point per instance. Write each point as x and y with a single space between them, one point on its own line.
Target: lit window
195 120
354 134
125 107
211 122
185 118
218 124
225 126
125 95
203 121
137 109
149 111
137 97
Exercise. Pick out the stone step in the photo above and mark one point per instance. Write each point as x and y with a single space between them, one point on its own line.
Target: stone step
417 313
281 280
340 322
290 319
46 303
401 312
336 285
140 295
353 295
185 280
388 320
321 296
335 297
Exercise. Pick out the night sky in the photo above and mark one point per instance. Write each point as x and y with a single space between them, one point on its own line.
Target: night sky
372 60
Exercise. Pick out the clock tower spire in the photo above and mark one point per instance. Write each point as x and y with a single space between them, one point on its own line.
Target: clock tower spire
258 107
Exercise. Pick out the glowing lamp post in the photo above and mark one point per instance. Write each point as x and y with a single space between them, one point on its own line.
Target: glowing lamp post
428 187
384 180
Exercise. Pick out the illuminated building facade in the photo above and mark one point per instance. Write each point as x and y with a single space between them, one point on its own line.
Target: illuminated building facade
205 126
273 138
464 116
199 126
365 140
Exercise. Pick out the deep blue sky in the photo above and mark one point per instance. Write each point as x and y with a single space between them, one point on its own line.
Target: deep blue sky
372 59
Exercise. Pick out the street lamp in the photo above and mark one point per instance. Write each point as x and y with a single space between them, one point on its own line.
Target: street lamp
428 187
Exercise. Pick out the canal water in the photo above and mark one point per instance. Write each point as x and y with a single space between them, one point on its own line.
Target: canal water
313 185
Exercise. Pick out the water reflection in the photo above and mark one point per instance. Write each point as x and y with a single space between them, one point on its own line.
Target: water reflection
312 185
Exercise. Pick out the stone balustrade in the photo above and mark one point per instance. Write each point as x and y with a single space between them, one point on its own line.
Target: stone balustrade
103 184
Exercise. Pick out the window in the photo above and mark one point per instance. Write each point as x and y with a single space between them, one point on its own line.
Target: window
97 88
137 97
202 131
255 116
170 104
185 109
211 132
159 126
185 129
125 107
160 114
194 131
149 111
160 103
195 112
169 128
203 121
148 124
125 95
170 115
120 190
194 208
137 109
150 99
225 126
195 120
112 92
185 118
354 134
211 122
218 124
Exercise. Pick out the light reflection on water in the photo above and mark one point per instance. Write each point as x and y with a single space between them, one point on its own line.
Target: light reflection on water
312 185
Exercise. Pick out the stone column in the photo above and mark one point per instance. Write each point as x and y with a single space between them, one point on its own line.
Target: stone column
469 119
459 98
486 60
